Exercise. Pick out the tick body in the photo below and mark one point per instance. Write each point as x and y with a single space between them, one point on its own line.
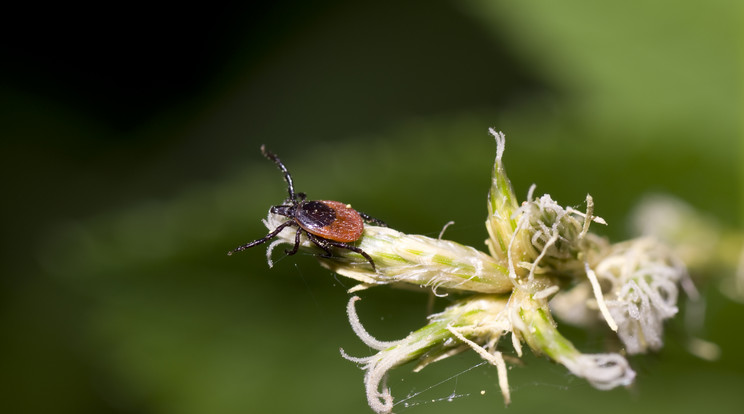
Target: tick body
326 223
330 220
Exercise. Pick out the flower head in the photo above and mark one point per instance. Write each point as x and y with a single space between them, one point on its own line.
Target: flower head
538 249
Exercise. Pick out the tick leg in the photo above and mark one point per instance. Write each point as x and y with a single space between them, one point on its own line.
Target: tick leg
353 249
325 243
297 243
268 237
370 219
320 243
287 177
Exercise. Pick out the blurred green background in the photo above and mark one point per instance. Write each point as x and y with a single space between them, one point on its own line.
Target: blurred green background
130 156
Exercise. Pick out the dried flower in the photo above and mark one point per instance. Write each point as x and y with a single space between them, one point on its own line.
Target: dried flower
537 249
479 319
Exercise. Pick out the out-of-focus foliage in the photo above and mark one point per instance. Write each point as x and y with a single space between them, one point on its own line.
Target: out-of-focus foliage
130 156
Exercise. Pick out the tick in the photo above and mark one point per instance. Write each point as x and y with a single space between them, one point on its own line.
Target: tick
326 223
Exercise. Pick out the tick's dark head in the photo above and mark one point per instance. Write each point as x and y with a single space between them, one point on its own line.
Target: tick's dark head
287 211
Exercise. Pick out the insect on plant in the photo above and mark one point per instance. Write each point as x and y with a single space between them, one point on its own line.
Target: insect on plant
326 223
537 248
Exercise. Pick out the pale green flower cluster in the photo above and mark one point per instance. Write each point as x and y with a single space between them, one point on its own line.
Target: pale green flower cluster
543 260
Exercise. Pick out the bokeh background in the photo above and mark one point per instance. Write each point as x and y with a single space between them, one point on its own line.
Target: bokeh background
131 164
